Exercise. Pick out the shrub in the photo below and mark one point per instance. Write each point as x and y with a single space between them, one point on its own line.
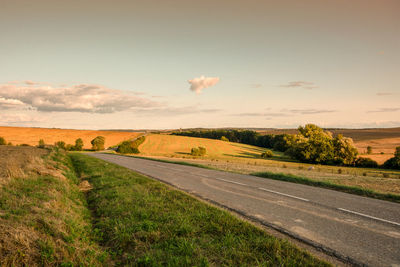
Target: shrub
41 143
126 147
198 151
393 163
223 138
267 154
69 147
369 150
98 143
366 163
131 147
78 144
2 141
60 144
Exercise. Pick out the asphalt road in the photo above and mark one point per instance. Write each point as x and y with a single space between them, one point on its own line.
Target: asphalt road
365 230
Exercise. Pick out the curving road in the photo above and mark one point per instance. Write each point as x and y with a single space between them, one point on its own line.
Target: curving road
362 230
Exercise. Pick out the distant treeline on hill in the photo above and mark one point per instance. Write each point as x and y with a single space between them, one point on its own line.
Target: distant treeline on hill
274 141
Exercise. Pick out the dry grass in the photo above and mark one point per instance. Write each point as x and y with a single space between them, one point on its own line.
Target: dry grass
43 219
31 136
180 146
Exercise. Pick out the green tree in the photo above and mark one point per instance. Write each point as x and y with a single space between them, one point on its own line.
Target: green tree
41 143
98 143
369 150
223 138
78 144
314 145
60 144
344 151
2 141
267 154
397 152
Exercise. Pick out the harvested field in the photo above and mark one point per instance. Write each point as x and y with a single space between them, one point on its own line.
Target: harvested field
31 136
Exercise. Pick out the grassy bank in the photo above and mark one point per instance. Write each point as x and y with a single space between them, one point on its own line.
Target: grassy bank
324 184
43 216
144 222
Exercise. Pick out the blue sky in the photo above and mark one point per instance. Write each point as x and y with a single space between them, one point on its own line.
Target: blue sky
274 63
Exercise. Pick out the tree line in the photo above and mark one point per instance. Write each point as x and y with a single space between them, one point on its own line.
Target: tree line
311 145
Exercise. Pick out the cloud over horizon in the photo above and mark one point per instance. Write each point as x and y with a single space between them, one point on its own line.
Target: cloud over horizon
301 84
198 84
87 98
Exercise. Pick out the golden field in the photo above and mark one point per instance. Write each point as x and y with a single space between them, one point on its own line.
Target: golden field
31 136
180 146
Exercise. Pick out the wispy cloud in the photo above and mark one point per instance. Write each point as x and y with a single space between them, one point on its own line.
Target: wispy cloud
256 85
76 98
18 119
262 114
311 111
384 93
174 111
300 84
10 103
384 110
198 84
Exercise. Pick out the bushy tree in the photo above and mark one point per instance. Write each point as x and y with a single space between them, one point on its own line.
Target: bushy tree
344 150
223 138
198 151
369 150
366 163
393 163
267 154
2 141
78 144
60 144
126 147
69 147
98 143
41 144
314 145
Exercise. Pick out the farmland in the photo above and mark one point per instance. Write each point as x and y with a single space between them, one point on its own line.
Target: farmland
31 136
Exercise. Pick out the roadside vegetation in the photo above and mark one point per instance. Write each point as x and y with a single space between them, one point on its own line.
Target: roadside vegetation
131 146
144 222
44 220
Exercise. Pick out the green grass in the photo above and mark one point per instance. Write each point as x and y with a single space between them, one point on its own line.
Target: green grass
44 221
324 184
146 223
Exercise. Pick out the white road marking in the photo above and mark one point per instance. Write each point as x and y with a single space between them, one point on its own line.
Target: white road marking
283 194
233 182
368 216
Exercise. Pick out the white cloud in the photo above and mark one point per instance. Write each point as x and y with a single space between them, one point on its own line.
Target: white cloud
76 98
198 84
10 103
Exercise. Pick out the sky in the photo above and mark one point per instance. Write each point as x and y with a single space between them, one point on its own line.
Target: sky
181 63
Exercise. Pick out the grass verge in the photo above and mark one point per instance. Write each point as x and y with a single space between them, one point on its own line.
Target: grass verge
146 223
324 184
44 220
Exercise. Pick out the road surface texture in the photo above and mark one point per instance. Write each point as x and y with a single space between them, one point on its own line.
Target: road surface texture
364 231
